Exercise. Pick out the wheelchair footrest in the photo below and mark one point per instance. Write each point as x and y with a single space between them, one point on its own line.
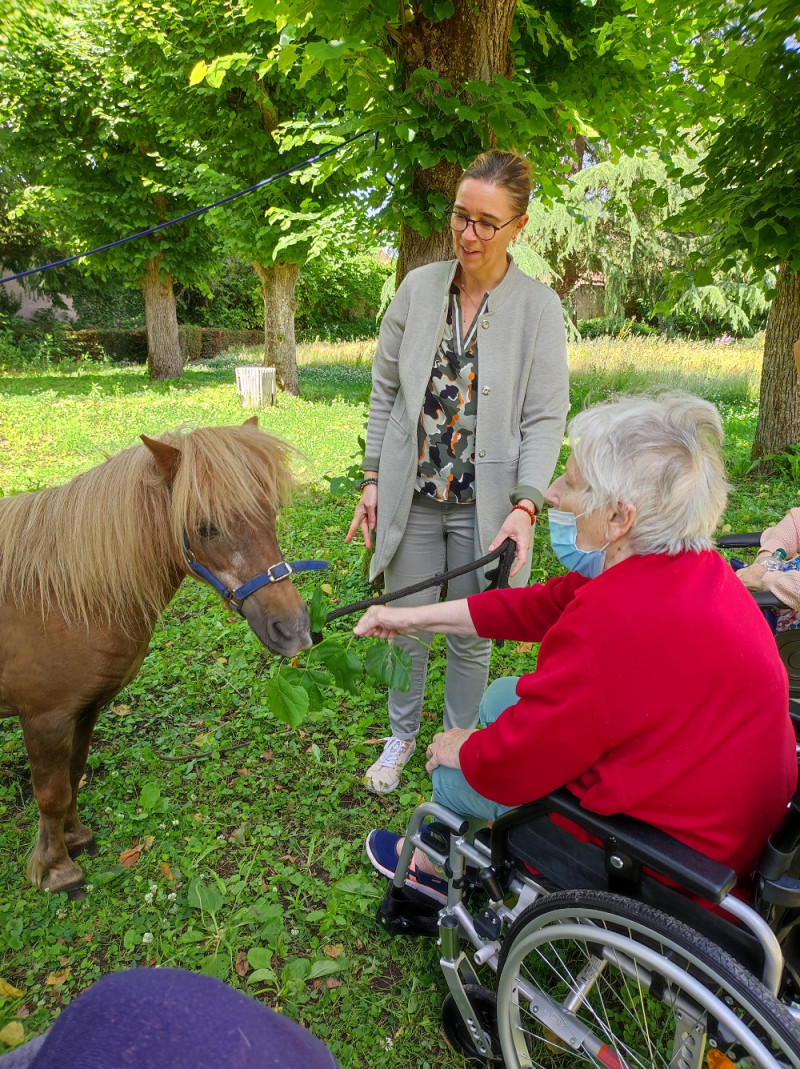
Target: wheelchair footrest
408 912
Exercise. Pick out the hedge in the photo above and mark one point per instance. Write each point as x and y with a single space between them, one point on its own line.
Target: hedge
130 346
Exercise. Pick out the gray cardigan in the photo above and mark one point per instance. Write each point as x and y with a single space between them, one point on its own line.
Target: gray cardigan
523 398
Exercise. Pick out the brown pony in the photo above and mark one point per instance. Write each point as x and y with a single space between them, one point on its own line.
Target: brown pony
86 569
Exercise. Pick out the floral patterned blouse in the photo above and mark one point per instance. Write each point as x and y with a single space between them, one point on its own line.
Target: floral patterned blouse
446 434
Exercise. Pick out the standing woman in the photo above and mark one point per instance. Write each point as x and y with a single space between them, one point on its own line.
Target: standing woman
466 420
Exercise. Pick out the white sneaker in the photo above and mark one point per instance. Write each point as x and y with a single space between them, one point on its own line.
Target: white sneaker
384 775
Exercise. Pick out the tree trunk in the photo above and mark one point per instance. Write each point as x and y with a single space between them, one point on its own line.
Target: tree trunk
471 45
278 283
164 357
779 406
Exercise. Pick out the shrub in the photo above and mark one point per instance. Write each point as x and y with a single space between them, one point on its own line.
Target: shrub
605 325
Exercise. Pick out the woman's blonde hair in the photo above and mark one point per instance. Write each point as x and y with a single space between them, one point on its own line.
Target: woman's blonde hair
508 170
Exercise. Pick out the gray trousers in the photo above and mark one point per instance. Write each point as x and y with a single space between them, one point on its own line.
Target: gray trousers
438 537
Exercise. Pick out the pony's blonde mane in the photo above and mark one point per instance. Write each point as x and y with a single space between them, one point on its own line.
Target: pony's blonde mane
105 546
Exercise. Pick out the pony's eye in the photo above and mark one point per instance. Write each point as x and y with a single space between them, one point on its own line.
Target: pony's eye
207 531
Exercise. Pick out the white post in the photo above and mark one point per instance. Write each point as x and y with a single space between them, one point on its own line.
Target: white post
256 385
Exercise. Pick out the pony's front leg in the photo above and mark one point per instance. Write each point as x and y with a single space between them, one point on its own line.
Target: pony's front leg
78 835
48 739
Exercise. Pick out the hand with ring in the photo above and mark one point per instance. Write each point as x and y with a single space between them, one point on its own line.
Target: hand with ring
445 748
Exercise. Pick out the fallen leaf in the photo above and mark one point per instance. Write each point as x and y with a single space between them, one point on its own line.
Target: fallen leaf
288 857
56 979
121 710
9 990
167 872
23 1012
303 734
86 938
523 647
83 781
242 964
63 961
334 951
13 1034
148 841
222 660
268 755
326 588
332 982
243 771
128 858
198 816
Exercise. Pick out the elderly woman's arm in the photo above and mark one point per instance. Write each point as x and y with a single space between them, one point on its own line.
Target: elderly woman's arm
446 617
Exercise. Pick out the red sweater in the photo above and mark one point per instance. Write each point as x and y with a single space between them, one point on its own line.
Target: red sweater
658 692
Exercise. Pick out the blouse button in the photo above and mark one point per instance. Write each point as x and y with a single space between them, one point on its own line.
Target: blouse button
481 452
485 390
485 324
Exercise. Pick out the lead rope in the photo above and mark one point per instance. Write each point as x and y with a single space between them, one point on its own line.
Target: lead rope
498 580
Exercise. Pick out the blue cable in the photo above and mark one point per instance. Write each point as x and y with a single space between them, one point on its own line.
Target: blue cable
197 211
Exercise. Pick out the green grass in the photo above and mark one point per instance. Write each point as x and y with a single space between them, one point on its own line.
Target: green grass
254 868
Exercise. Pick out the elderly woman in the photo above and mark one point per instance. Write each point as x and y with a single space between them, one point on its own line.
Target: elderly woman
466 420
658 690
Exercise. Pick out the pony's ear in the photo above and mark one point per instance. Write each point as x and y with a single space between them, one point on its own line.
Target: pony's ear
167 457
253 420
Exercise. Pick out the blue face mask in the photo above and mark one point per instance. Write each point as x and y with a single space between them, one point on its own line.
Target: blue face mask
563 539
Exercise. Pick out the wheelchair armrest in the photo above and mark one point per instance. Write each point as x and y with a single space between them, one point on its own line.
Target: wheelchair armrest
765 599
626 838
748 540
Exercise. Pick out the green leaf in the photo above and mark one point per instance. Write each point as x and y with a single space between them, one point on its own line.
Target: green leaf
326 966
260 958
205 896
390 665
217 965
318 609
357 885
150 795
198 72
287 701
344 666
262 974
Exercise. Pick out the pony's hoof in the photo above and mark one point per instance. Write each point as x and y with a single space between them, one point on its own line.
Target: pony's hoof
76 892
66 877
90 848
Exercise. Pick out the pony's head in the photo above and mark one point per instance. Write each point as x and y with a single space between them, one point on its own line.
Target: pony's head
226 485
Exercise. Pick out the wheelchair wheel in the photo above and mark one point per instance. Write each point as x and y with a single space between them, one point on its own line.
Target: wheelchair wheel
456 1031
591 978
788 643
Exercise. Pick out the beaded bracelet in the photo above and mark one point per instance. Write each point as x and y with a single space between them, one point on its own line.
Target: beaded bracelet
524 508
372 481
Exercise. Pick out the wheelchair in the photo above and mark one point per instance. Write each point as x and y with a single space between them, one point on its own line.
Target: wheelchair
596 959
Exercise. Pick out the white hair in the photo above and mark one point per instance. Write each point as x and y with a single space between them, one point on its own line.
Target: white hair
662 454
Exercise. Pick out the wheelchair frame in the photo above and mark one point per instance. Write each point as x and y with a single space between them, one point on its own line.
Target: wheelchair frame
594 926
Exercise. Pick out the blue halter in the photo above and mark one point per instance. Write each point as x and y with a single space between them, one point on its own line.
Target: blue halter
282 570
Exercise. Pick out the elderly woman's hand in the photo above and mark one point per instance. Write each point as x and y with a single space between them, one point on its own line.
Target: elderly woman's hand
518 526
753 576
445 748
365 515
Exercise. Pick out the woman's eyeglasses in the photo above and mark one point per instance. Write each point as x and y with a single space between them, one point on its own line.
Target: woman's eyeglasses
458 223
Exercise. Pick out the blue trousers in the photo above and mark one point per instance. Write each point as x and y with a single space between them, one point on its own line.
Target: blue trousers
450 787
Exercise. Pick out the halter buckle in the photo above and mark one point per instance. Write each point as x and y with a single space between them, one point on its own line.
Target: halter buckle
283 567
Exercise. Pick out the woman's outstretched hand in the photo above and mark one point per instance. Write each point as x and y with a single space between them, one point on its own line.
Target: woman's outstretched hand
365 516
381 622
